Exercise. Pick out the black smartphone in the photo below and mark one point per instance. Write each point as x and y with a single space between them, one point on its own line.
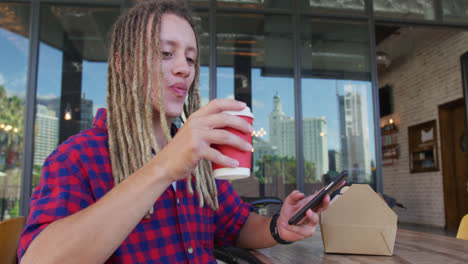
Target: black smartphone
315 202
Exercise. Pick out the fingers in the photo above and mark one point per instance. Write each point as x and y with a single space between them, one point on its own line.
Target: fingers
324 204
222 120
305 228
294 197
220 159
311 218
223 137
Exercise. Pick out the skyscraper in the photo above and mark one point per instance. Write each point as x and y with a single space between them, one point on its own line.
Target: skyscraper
334 158
87 118
46 134
354 133
316 143
282 135
282 130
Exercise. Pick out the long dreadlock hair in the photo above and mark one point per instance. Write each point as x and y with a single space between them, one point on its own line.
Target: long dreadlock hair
130 110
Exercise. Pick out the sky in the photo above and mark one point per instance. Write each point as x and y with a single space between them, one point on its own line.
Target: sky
319 96
319 99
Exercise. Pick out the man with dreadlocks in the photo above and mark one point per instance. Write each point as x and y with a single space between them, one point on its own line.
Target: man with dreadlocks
123 191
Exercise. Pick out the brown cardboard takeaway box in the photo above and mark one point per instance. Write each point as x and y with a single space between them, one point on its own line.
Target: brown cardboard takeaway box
358 222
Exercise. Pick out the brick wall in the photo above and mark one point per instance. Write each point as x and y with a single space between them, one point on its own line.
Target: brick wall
425 73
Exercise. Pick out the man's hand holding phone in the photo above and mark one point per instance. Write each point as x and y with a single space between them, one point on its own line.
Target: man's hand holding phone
299 215
307 226
317 199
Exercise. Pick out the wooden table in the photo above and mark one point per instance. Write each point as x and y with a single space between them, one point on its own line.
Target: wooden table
410 247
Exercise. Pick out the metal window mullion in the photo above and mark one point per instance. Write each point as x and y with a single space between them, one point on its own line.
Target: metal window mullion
464 73
332 15
30 106
78 2
124 4
212 66
438 12
375 99
298 101
413 22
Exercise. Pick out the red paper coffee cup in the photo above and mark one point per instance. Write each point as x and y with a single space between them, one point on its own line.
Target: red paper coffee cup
244 157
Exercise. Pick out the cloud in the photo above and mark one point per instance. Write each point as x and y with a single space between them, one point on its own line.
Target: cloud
225 75
258 104
20 42
16 84
204 100
47 96
204 74
21 94
19 82
203 87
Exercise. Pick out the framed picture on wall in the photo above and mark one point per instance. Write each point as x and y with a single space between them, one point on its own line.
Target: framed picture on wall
422 140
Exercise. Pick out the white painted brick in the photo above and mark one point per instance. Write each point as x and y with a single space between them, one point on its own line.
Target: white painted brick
428 77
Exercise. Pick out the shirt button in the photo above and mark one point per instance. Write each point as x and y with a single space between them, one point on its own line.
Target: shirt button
190 250
178 201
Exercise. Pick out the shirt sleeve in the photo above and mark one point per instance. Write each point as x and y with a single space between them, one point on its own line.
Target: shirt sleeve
231 216
61 192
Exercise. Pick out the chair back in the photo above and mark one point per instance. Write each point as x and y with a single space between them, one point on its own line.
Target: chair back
10 231
463 228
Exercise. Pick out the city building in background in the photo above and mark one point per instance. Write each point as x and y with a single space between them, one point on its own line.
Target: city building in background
87 113
282 131
310 71
46 139
354 134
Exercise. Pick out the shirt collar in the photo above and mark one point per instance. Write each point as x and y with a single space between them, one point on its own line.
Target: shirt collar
100 121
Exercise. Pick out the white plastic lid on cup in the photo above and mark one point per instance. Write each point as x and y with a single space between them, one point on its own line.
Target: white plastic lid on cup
231 173
244 112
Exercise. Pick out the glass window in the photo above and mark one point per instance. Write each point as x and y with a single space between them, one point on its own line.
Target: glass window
254 3
72 74
254 65
192 3
455 11
199 3
203 30
14 43
338 126
356 6
411 9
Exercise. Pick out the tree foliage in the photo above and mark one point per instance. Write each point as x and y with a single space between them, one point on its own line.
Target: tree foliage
11 114
272 168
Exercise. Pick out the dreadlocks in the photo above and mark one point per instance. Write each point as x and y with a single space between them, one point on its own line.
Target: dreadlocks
130 110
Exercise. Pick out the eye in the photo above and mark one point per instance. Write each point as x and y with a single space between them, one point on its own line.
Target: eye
190 60
166 54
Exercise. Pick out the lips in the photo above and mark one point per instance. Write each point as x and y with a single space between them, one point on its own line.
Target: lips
179 89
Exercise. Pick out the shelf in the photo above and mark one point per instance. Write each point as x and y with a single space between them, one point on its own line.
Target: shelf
390 157
423 149
388 132
389 146
424 169
421 160
422 144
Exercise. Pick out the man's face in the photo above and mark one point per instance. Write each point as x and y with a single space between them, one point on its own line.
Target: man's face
178 47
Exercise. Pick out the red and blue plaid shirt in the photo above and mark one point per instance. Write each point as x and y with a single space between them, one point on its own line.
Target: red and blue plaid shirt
78 173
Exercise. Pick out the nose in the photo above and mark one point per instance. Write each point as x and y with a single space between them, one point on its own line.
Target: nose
181 67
